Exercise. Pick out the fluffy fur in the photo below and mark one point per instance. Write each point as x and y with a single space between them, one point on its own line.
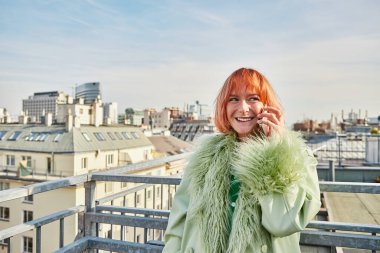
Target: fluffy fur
262 165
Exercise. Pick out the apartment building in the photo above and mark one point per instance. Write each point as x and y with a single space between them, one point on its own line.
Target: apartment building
41 103
36 153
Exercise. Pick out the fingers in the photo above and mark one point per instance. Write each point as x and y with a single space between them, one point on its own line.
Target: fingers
271 119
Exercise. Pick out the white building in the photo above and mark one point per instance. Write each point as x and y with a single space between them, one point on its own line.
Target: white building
4 116
110 113
36 153
83 114
42 102
155 119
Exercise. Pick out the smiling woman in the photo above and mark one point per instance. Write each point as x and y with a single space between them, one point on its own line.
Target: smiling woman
240 104
252 187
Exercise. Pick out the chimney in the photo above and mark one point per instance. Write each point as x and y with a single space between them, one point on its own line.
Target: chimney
76 122
48 119
69 121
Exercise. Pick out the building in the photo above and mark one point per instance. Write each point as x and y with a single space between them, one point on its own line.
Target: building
110 113
42 102
88 91
189 130
161 119
4 116
37 153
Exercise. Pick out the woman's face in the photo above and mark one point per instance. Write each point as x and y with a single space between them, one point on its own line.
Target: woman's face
242 110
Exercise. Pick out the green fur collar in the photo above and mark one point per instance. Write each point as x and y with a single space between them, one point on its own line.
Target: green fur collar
262 165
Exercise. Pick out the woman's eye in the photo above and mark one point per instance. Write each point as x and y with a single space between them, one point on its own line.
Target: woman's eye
255 98
233 99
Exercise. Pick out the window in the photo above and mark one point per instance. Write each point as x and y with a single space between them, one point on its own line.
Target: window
149 194
99 136
109 159
126 135
11 160
4 213
28 216
42 136
14 136
2 134
124 184
58 137
27 244
4 186
118 136
28 199
158 191
138 238
85 135
48 164
111 136
135 135
84 163
28 160
108 187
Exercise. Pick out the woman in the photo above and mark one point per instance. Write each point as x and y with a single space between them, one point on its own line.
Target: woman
252 187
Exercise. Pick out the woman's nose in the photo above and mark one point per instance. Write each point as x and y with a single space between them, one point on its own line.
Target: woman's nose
244 106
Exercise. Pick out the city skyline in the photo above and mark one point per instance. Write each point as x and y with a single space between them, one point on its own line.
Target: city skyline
321 56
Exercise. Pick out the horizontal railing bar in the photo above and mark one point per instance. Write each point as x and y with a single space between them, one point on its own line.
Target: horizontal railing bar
31 189
343 226
138 179
127 220
122 246
357 241
27 190
30 225
352 187
77 246
144 165
121 194
134 210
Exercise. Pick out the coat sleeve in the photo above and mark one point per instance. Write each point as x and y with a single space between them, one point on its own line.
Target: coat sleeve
281 172
176 223
289 212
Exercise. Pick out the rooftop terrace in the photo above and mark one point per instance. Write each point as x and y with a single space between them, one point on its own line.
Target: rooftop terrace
321 235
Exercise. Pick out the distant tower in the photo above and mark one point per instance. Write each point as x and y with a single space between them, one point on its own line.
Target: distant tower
88 91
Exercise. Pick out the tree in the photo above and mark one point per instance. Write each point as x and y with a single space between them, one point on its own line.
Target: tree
129 112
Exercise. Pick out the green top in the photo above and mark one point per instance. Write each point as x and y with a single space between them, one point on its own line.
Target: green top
234 193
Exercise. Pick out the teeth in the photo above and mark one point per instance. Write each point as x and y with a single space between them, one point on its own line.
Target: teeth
244 119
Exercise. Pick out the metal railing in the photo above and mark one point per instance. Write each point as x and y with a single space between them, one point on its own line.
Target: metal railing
95 212
347 148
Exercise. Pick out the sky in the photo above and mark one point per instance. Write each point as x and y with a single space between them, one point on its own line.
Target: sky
320 56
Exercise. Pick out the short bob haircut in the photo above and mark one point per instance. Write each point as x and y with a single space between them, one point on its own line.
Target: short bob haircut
243 79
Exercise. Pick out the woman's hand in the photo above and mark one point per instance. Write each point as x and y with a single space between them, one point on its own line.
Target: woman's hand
271 119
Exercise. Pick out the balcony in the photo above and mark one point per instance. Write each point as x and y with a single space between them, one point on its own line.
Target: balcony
135 229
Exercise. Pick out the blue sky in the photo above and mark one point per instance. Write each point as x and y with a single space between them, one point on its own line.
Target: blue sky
320 56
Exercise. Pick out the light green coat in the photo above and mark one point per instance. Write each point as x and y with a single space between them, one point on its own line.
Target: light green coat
279 195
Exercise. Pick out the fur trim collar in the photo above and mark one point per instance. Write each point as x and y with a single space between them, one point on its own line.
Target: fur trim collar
262 165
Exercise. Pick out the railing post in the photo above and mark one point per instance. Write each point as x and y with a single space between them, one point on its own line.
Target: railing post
145 231
332 170
38 240
374 251
8 241
61 232
339 152
89 227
